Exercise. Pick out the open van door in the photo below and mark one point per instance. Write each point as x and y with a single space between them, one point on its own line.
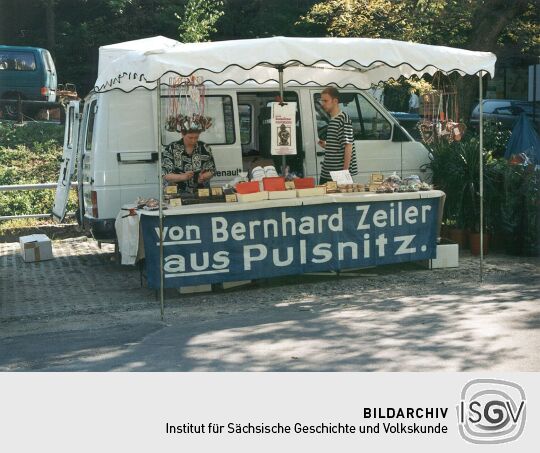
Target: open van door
69 158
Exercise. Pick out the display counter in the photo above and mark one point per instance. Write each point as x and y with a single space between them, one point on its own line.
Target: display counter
219 242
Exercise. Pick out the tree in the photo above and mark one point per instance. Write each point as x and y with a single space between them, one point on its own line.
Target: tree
199 20
488 25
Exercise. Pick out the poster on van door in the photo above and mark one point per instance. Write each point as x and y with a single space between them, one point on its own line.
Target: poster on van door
262 243
283 129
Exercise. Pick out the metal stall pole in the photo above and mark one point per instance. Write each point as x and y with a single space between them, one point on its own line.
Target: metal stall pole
481 178
280 72
160 187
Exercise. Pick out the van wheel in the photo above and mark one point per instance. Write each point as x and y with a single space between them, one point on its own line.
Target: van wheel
9 111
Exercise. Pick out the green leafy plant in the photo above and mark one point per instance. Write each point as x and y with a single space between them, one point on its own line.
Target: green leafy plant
30 154
519 209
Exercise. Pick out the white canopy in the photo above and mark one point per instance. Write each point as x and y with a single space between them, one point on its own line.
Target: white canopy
108 54
357 62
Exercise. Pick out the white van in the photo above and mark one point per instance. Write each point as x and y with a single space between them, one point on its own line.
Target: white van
112 144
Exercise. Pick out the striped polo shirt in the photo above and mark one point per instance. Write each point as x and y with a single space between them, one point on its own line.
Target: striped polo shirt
338 133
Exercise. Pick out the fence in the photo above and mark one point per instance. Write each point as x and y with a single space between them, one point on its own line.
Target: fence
48 185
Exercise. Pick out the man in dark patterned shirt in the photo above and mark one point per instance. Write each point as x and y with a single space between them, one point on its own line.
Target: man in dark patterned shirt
188 163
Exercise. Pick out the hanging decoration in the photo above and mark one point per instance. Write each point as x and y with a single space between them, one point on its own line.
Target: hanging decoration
186 105
440 117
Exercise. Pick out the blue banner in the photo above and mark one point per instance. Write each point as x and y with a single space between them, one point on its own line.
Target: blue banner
270 242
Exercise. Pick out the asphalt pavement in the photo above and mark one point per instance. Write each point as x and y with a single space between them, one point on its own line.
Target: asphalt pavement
84 312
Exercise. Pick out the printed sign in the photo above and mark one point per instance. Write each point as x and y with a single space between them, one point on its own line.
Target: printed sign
341 177
243 245
283 129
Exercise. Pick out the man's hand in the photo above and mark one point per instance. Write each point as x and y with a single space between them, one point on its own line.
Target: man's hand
347 156
322 143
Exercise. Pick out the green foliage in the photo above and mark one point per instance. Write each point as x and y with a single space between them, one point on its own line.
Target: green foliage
199 20
455 170
519 208
495 138
511 192
30 154
442 22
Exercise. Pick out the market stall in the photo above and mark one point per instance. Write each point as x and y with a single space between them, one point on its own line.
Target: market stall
341 62
219 242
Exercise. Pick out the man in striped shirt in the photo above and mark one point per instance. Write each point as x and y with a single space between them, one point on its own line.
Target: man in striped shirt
339 145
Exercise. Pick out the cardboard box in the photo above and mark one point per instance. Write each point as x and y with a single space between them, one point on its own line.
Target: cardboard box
247 187
314 192
275 183
289 185
280 194
248 197
216 191
376 178
447 256
36 247
331 186
304 183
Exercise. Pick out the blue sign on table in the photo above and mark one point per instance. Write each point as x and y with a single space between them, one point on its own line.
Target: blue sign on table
270 242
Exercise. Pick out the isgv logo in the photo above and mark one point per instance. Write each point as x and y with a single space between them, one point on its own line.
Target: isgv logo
491 411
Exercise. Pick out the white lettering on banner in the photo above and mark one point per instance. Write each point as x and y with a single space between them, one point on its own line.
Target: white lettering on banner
272 228
273 243
379 218
405 242
354 250
410 214
380 242
366 245
324 251
238 231
382 218
219 229
425 209
252 225
307 225
287 262
303 253
176 264
175 235
363 214
249 258
288 221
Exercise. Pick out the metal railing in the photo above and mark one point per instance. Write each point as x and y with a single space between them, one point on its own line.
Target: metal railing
17 114
42 186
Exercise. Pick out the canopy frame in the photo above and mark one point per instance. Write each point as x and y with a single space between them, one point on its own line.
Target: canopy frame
349 68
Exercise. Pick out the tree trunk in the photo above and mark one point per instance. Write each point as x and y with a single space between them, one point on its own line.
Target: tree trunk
50 27
490 19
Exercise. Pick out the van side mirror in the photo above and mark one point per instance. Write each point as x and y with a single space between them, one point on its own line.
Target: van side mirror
399 134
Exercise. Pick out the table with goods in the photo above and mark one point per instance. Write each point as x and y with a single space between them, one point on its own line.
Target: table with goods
273 226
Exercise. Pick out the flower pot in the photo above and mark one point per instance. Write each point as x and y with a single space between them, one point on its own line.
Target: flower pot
474 241
459 236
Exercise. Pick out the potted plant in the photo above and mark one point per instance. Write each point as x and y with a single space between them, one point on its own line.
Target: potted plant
447 175
470 192
520 209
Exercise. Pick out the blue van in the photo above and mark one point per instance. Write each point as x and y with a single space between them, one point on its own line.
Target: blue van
27 73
